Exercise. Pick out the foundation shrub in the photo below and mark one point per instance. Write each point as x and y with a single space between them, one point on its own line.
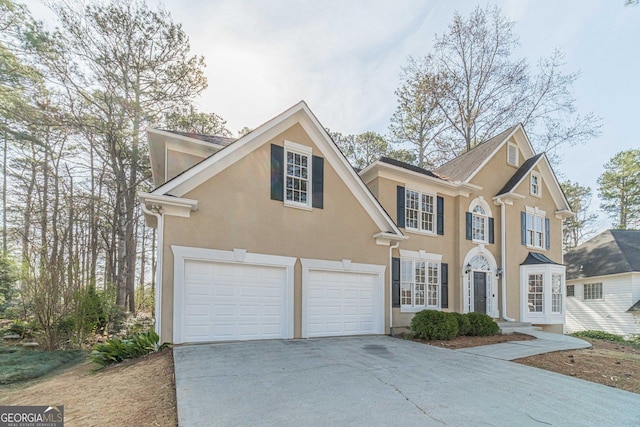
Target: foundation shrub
434 325
482 325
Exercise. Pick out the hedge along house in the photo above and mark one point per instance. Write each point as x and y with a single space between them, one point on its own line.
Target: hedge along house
275 235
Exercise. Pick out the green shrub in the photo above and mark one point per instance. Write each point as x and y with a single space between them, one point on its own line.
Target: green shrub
434 325
116 350
463 323
481 325
24 329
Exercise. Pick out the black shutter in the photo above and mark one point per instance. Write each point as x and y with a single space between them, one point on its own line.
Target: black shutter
444 285
491 237
317 182
523 228
440 216
395 282
547 233
400 204
469 229
277 172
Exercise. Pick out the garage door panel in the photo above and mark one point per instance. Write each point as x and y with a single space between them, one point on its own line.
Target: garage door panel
341 303
227 301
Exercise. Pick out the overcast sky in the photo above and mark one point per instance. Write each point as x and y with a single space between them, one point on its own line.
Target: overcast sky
344 58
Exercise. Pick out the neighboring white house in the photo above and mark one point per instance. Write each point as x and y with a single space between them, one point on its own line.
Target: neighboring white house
603 284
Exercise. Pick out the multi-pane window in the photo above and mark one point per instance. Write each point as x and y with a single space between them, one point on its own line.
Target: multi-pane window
433 283
536 293
419 211
297 184
419 283
479 224
592 291
571 290
535 230
535 184
556 293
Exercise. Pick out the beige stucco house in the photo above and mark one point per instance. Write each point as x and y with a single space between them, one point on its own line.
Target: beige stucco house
275 235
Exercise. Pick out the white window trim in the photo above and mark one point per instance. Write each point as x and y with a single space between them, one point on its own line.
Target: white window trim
236 256
517 160
539 177
413 256
346 266
537 212
482 203
592 299
547 316
294 147
435 213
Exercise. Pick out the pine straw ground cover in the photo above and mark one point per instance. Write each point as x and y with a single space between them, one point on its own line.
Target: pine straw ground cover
138 392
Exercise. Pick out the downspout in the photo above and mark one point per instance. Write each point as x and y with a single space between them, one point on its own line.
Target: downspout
391 248
503 261
155 211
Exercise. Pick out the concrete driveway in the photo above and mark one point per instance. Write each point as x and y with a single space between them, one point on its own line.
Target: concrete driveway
380 381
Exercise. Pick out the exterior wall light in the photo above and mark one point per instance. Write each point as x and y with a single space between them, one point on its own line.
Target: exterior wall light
499 272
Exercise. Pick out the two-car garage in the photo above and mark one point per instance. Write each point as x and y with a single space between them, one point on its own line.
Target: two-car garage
235 295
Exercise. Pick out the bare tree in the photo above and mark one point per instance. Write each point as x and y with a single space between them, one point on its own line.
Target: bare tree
480 88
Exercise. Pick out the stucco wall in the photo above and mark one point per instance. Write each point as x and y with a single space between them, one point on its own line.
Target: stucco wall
236 211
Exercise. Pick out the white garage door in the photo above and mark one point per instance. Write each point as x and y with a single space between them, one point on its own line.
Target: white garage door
228 301
342 303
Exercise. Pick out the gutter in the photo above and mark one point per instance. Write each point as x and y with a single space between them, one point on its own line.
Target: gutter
156 211
503 260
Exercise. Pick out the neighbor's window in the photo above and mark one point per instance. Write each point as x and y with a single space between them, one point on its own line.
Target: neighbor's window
297 184
592 291
571 290
419 284
420 211
556 293
512 154
536 293
536 180
535 230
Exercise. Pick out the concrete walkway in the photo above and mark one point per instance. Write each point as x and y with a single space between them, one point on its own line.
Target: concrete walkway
381 381
545 342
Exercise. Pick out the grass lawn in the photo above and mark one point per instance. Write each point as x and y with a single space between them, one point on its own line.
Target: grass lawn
19 364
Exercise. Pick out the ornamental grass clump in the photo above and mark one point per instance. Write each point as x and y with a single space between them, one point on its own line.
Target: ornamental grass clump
434 325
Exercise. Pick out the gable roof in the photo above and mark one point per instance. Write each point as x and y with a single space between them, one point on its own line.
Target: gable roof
464 166
610 252
517 177
297 114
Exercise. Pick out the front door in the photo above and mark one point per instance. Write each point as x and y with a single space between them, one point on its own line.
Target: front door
479 292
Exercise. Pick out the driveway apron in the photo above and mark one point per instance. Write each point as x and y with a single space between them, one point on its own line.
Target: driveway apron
379 380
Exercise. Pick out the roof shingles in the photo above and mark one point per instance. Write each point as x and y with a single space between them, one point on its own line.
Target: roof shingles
610 252
461 167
